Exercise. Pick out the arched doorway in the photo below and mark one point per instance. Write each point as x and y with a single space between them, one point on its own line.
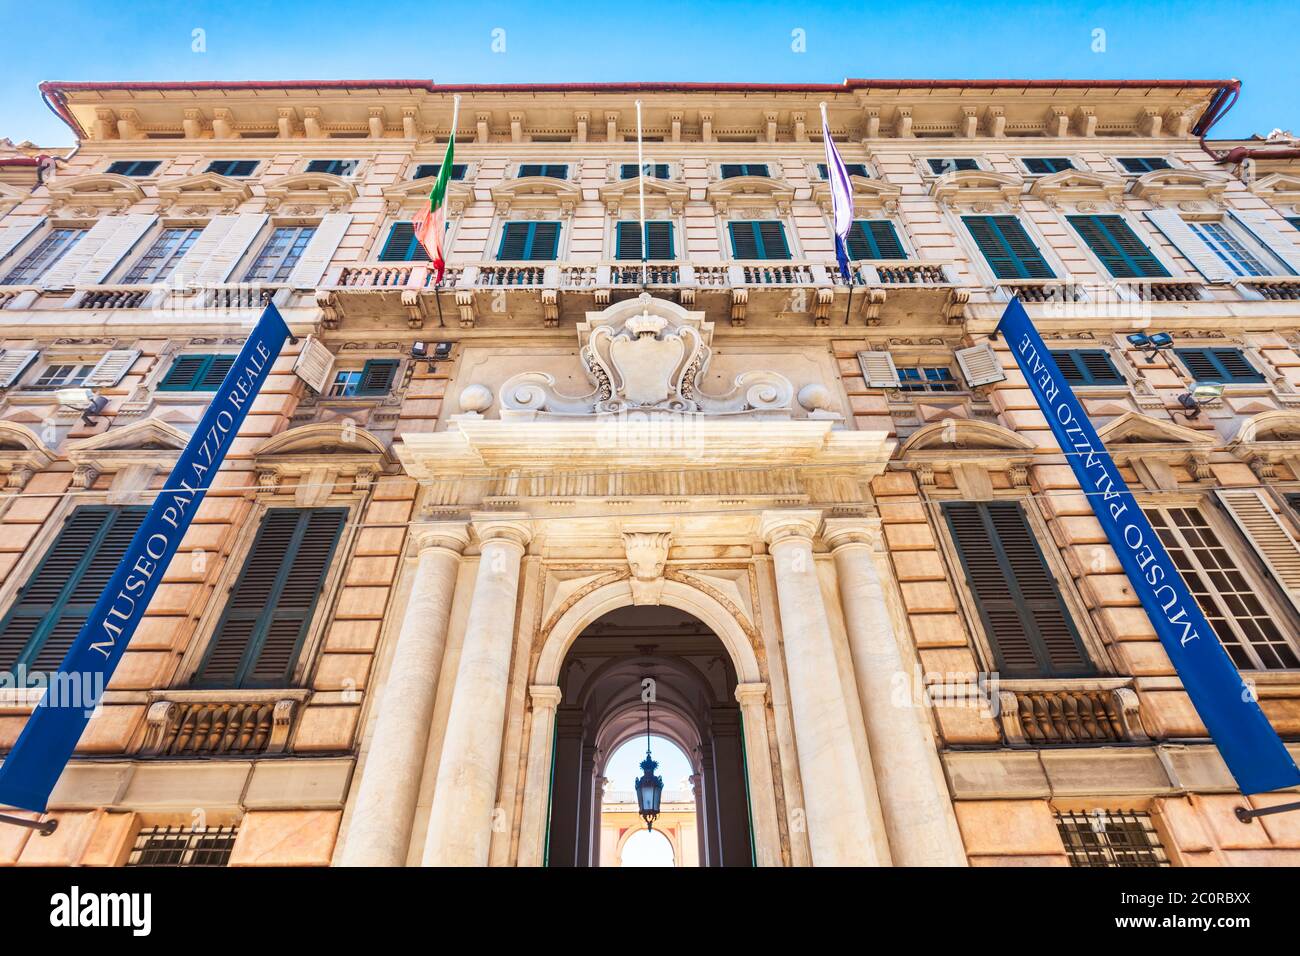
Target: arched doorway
695 708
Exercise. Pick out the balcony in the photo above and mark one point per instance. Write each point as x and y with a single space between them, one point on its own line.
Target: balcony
213 723
775 291
1069 713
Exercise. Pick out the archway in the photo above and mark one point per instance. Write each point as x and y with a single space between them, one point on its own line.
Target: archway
695 708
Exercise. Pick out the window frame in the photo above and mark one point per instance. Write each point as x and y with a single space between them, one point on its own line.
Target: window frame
233 175
617 231
171 261
196 379
786 235
155 165
823 171
35 245
1118 162
1079 366
1227 378
909 253
979 260
287 261
362 372
560 239
463 167
926 164
350 174
746 171
1144 238
520 174
1238 234
1071 161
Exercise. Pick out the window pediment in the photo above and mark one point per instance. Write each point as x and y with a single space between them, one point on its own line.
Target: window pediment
962 434
1168 186
415 195
750 191
659 194
1278 188
316 456
971 186
204 193
134 452
868 194
535 192
22 454
10 196
97 191
1074 186
311 190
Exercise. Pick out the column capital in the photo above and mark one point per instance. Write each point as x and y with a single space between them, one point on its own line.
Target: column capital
448 535
851 532
752 695
778 526
512 527
544 696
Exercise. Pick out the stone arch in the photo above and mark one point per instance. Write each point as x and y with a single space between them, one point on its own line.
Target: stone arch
556 641
672 837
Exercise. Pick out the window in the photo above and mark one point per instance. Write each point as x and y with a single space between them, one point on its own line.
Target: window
732 170
853 169
1007 248
62 591
335 167
1249 630
1118 247
430 170
1024 616
1228 366
551 170
529 242
280 254
373 378
758 239
1042 165
182 846
161 258
1087 367
47 252
659 241
1108 838
927 379
62 376
653 170
196 373
265 622
134 167
232 167
1294 220
874 239
1143 164
1232 252
949 164
402 245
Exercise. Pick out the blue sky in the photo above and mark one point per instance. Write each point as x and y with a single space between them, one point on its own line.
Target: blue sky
668 40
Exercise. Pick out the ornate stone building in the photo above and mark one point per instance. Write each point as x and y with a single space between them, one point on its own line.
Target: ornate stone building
462 524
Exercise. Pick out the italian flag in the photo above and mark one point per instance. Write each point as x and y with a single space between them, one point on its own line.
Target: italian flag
431 224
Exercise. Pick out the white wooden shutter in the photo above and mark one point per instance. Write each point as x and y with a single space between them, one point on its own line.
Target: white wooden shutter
314 364
316 257
1267 535
110 369
878 369
1176 230
980 365
15 229
221 262
113 249
1274 239
64 272
13 362
186 271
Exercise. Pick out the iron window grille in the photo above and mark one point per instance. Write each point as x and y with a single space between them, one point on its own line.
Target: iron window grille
1105 838
182 846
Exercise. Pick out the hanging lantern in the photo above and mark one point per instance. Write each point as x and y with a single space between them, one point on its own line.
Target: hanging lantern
649 788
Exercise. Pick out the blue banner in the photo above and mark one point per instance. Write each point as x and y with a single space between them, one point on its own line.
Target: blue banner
46 743
1254 753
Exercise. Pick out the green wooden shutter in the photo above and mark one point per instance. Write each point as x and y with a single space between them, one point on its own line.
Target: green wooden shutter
265 621
1143 164
550 170
215 373
544 241
1024 617
1087 367
1007 248
744 240
196 373
952 165
732 170
657 171
57 599
659 236
771 235
377 377
1042 165
1115 243
1226 365
874 239
514 239
402 245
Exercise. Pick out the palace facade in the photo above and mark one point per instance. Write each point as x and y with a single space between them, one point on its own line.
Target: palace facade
411 621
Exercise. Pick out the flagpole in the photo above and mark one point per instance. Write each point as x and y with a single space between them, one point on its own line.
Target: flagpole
640 188
826 132
455 119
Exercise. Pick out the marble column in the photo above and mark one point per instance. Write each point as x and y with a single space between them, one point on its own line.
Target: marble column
839 813
532 827
914 797
762 789
379 831
460 820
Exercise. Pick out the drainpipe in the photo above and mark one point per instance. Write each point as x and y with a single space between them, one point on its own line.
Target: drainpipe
1220 103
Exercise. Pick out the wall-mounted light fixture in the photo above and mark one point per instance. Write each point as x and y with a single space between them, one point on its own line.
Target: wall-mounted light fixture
1151 344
